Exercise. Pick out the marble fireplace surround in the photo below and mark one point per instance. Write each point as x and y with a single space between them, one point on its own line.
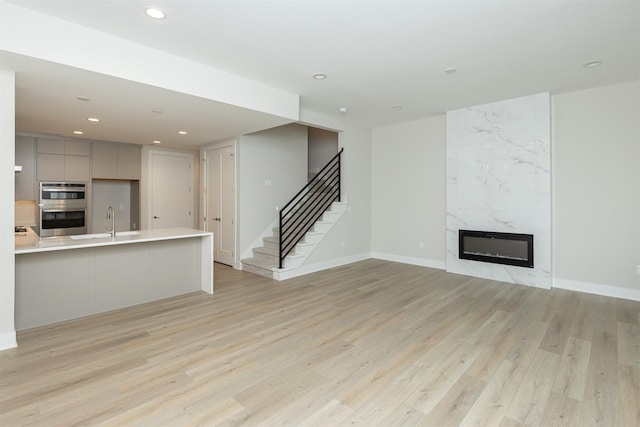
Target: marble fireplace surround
499 180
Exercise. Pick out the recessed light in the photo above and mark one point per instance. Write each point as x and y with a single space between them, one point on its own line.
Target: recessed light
592 64
82 98
93 119
319 76
450 70
157 111
78 132
397 107
342 110
155 13
182 132
157 142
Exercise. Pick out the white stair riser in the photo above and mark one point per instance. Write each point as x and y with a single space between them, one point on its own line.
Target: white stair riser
273 260
270 245
304 250
331 216
257 270
322 227
313 237
265 257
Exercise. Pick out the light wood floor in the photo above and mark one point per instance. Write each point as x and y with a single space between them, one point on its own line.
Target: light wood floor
371 343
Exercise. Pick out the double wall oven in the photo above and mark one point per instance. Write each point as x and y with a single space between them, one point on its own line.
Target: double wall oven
63 208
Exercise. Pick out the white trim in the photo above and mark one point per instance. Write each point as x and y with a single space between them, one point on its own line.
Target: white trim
410 260
8 340
324 265
598 289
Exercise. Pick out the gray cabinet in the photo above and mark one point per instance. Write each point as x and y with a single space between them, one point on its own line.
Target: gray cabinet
77 168
116 161
105 160
51 146
26 157
129 159
50 167
60 160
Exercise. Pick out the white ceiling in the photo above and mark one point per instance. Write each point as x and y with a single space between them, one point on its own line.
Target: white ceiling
377 54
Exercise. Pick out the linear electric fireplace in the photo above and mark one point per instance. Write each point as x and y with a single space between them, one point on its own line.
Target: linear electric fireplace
499 248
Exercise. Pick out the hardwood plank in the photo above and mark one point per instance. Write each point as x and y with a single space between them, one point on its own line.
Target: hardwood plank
629 395
492 404
629 344
529 402
455 404
601 401
563 411
572 374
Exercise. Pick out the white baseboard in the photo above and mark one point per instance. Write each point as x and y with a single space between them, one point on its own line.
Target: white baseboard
307 269
440 265
598 289
8 340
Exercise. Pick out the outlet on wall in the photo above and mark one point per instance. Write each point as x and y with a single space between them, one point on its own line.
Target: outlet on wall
421 245
638 268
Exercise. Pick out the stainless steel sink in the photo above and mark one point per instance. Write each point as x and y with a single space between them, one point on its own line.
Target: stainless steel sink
127 233
103 235
90 236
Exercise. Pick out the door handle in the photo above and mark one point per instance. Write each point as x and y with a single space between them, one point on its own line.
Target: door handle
156 217
215 219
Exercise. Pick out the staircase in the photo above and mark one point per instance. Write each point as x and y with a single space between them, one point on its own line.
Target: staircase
303 222
266 258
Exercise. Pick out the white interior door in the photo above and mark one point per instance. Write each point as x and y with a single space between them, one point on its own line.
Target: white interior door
171 193
221 203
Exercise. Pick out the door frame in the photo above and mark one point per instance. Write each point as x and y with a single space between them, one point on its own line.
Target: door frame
146 196
227 143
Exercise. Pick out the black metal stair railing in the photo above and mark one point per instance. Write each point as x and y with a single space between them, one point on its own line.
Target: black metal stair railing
305 208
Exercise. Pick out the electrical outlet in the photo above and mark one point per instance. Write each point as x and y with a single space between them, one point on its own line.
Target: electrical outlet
638 268
421 245
342 244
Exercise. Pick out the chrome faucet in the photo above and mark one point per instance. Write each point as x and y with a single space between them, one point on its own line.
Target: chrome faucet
112 216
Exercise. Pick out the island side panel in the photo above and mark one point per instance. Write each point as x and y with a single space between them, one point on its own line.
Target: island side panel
121 276
52 287
175 267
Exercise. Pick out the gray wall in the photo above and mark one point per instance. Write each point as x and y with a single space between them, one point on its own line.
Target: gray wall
272 169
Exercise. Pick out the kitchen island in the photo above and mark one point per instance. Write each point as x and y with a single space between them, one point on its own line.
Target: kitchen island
62 278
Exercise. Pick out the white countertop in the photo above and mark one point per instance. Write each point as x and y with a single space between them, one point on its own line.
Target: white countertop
31 243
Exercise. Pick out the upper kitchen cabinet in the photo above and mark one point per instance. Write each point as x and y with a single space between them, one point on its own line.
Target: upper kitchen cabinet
113 160
105 160
60 160
26 178
129 160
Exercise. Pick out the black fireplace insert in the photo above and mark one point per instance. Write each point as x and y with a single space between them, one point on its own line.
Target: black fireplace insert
499 248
